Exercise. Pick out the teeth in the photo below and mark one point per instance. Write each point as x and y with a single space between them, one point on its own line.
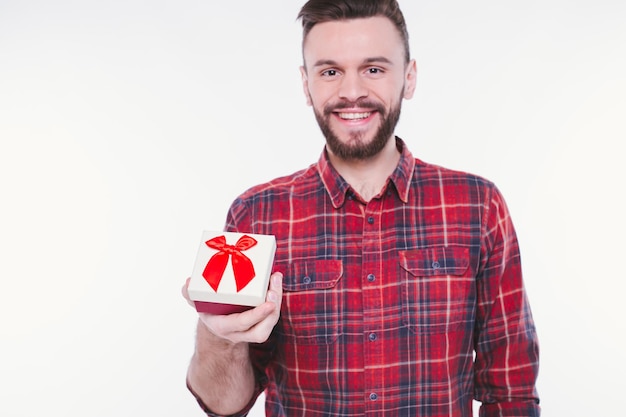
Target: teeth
354 116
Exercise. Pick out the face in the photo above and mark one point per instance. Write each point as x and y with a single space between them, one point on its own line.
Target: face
355 77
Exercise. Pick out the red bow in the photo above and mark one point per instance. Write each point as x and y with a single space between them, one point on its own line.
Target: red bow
242 265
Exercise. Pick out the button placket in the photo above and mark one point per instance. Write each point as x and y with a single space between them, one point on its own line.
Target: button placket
373 219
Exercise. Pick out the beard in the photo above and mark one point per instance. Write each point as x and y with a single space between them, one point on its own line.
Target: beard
356 148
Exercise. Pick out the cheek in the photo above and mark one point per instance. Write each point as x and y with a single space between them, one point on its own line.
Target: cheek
323 90
396 94
319 96
319 91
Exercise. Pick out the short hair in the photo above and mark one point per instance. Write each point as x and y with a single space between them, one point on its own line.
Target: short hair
320 11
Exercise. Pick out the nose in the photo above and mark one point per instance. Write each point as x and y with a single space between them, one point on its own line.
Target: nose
352 87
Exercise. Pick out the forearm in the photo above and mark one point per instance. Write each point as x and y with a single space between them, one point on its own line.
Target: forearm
220 373
506 369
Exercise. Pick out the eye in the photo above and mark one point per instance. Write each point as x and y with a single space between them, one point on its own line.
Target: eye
329 73
375 71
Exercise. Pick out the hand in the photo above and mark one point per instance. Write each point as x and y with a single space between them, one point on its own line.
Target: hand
252 326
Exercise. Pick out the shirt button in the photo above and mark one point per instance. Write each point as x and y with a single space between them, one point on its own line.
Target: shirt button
370 220
371 278
372 337
436 265
306 280
373 396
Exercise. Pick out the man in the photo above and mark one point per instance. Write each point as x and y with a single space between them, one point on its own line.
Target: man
398 286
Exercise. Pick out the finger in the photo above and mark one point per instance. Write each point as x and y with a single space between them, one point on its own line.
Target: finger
254 325
262 330
250 318
275 292
253 317
185 292
224 325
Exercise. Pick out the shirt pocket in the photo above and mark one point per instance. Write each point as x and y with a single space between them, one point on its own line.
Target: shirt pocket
436 289
312 301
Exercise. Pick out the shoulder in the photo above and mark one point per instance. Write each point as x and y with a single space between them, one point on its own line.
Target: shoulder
299 182
267 204
426 172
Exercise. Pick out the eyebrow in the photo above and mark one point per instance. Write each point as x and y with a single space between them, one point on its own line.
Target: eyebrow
372 60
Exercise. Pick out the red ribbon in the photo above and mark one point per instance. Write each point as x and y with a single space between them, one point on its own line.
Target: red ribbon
242 265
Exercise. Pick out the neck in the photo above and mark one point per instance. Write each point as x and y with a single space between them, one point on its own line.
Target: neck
368 176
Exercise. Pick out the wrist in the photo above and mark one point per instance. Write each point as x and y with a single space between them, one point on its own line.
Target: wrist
207 341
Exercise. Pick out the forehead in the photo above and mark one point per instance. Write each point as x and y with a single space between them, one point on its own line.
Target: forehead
353 39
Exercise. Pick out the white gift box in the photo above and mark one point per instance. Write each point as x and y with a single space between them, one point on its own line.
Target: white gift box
231 273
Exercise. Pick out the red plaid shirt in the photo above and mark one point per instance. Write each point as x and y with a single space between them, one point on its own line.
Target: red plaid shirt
385 302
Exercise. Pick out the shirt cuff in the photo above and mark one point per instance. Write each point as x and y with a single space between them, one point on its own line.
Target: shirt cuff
511 409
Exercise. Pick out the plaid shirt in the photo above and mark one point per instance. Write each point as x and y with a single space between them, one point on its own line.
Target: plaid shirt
385 302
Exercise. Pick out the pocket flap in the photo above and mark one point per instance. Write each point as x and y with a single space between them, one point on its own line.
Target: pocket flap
440 260
311 275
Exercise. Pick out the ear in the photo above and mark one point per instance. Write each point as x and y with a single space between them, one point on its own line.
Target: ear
305 85
410 79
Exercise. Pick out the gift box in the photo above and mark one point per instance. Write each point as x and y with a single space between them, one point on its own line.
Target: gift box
231 273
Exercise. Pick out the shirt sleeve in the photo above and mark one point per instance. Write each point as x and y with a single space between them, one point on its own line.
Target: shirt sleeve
506 345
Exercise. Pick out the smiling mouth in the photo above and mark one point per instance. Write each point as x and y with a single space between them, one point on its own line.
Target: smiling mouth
354 116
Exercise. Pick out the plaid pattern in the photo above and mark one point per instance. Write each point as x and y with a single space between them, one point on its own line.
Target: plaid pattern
385 302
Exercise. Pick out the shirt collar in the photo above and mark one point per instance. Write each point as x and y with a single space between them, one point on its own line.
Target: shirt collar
337 187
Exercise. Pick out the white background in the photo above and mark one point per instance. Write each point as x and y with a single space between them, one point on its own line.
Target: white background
128 127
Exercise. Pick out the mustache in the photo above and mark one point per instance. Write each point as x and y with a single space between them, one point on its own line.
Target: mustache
347 104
